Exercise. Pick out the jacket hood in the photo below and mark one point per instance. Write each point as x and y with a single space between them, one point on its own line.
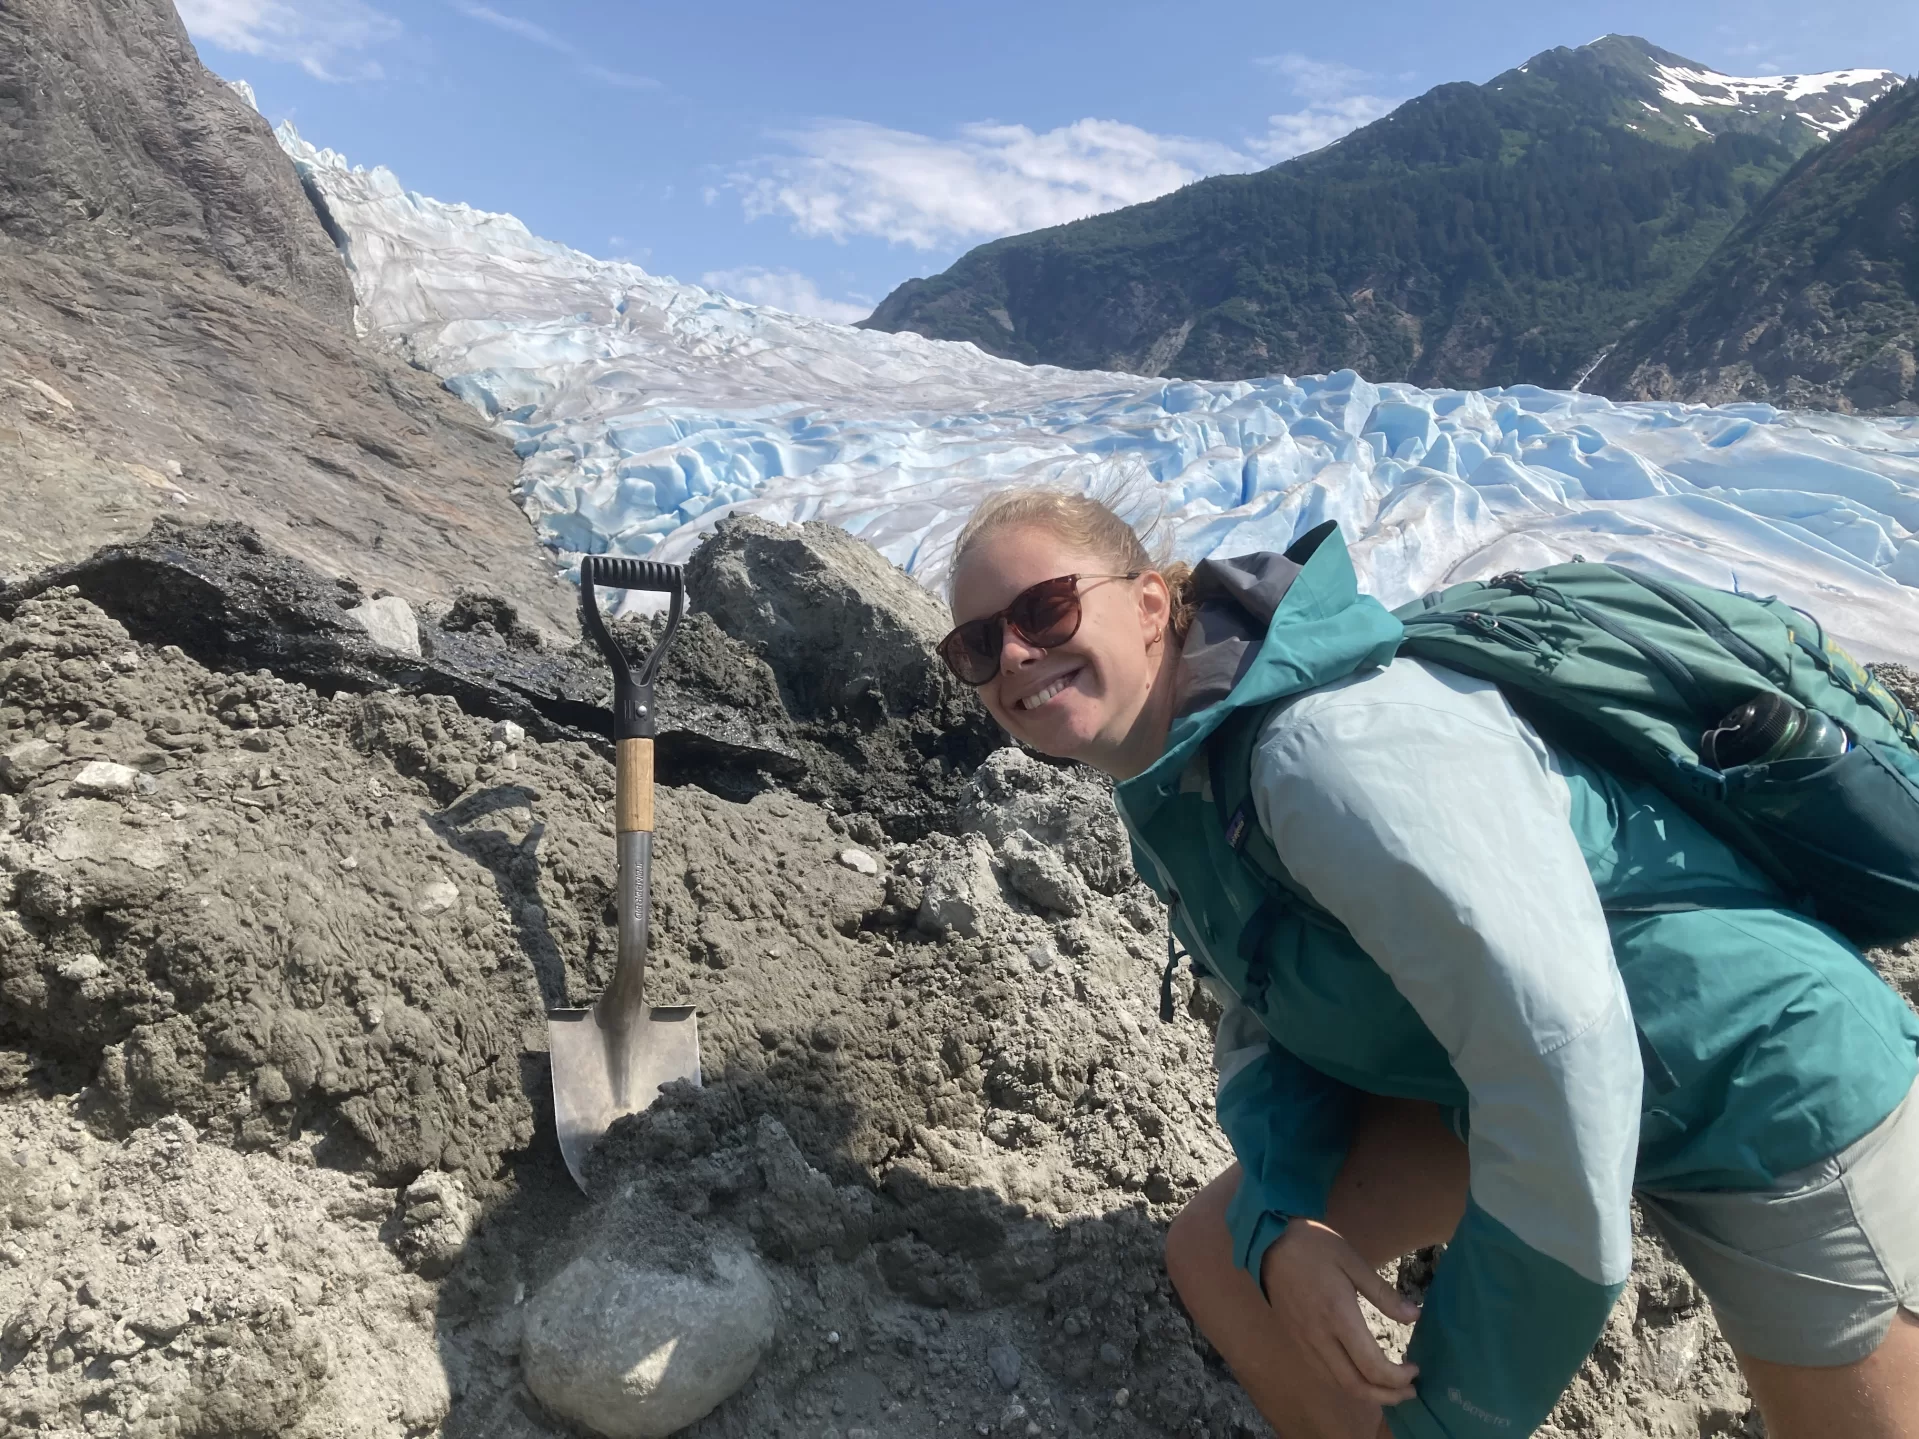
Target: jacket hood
1267 626
1236 599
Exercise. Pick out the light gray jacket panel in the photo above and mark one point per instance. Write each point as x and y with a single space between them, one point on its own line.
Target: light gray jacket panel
1414 805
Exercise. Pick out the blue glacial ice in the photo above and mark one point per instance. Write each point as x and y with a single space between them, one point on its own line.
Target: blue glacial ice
643 410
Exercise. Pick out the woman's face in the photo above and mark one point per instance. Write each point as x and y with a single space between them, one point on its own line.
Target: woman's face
1091 698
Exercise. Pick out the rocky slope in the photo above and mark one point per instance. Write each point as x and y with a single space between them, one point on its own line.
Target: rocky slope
176 337
1814 300
280 913
1479 235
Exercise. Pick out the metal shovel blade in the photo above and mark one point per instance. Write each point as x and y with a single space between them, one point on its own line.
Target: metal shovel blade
601 1074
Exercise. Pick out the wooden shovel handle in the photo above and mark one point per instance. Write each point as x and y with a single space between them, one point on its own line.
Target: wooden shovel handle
633 765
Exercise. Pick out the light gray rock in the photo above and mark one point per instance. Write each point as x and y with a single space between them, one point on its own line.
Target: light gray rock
633 1352
437 1216
1039 873
105 779
390 623
959 891
859 861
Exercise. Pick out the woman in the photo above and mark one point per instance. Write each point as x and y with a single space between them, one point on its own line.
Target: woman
1436 1032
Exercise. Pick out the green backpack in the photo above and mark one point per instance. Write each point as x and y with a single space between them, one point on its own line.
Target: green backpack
1631 672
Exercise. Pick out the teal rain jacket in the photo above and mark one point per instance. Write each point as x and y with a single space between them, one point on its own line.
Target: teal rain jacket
1514 935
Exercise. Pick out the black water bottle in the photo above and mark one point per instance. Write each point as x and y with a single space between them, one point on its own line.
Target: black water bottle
1770 727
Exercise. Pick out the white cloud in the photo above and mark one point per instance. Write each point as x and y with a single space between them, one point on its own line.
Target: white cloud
854 178
842 178
326 38
1300 132
536 34
784 290
1337 98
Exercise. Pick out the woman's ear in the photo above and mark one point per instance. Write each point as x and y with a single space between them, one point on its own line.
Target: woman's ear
1155 605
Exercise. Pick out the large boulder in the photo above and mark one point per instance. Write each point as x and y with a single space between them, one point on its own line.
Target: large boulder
851 640
843 629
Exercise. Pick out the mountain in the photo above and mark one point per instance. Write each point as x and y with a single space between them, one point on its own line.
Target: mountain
176 335
645 411
1814 299
1480 234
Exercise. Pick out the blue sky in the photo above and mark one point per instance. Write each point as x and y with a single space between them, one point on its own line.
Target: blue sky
814 156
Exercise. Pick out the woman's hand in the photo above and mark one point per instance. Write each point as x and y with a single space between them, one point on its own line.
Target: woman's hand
1312 1278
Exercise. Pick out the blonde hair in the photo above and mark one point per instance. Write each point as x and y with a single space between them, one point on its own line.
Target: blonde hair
1088 522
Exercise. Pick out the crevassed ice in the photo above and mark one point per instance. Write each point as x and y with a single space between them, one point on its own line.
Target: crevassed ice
643 410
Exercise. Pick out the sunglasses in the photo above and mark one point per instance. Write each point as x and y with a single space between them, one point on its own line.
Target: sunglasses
1044 615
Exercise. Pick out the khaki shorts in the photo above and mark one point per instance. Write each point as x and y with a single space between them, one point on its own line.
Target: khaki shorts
1812 1270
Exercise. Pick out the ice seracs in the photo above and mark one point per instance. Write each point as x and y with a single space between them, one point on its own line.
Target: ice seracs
644 409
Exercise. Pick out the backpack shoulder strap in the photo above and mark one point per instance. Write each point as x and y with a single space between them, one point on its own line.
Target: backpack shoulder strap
1229 759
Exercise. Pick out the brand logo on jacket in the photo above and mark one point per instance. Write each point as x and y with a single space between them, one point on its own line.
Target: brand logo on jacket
1484 1416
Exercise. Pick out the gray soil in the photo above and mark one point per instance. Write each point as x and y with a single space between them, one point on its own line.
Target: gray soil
176 335
274 960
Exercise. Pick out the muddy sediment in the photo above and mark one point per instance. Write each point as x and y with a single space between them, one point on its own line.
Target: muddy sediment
275 954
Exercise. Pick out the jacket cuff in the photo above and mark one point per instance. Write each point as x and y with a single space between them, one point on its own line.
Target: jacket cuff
1265 1233
1413 1420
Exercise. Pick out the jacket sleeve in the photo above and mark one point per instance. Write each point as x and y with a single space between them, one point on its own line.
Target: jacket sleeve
1431 823
1289 1126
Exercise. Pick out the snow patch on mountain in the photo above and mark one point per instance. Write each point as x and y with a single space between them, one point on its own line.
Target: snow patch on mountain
1827 102
644 409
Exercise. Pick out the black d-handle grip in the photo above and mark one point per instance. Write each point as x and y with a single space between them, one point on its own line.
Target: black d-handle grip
633 709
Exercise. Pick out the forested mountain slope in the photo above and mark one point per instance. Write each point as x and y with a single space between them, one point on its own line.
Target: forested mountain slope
1812 301
1480 234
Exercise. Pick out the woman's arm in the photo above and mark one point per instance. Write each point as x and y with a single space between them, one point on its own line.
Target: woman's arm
1289 1126
1423 815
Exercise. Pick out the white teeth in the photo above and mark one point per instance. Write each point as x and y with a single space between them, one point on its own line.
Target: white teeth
1034 701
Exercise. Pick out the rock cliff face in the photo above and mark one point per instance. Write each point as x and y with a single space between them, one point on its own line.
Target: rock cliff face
176 336
1814 300
113 134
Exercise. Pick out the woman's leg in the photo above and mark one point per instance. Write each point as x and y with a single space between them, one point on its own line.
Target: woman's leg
1403 1186
1877 1398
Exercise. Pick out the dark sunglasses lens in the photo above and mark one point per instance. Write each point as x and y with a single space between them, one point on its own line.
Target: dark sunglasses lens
971 651
1048 613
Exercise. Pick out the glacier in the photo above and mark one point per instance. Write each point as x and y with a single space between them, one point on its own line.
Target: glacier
644 410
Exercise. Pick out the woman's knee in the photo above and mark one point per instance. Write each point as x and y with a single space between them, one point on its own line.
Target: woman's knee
1198 1244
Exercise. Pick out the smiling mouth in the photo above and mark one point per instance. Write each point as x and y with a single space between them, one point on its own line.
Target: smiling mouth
1040 697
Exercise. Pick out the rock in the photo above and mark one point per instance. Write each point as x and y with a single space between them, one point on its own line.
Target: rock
507 733
23 761
104 779
437 1216
958 889
389 621
841 627
1004 1361
182 160
1039 873
437 896
631 1351
232 602
1066 810
859 861
135 184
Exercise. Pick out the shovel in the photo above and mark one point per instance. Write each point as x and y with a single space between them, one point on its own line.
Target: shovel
611 1060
